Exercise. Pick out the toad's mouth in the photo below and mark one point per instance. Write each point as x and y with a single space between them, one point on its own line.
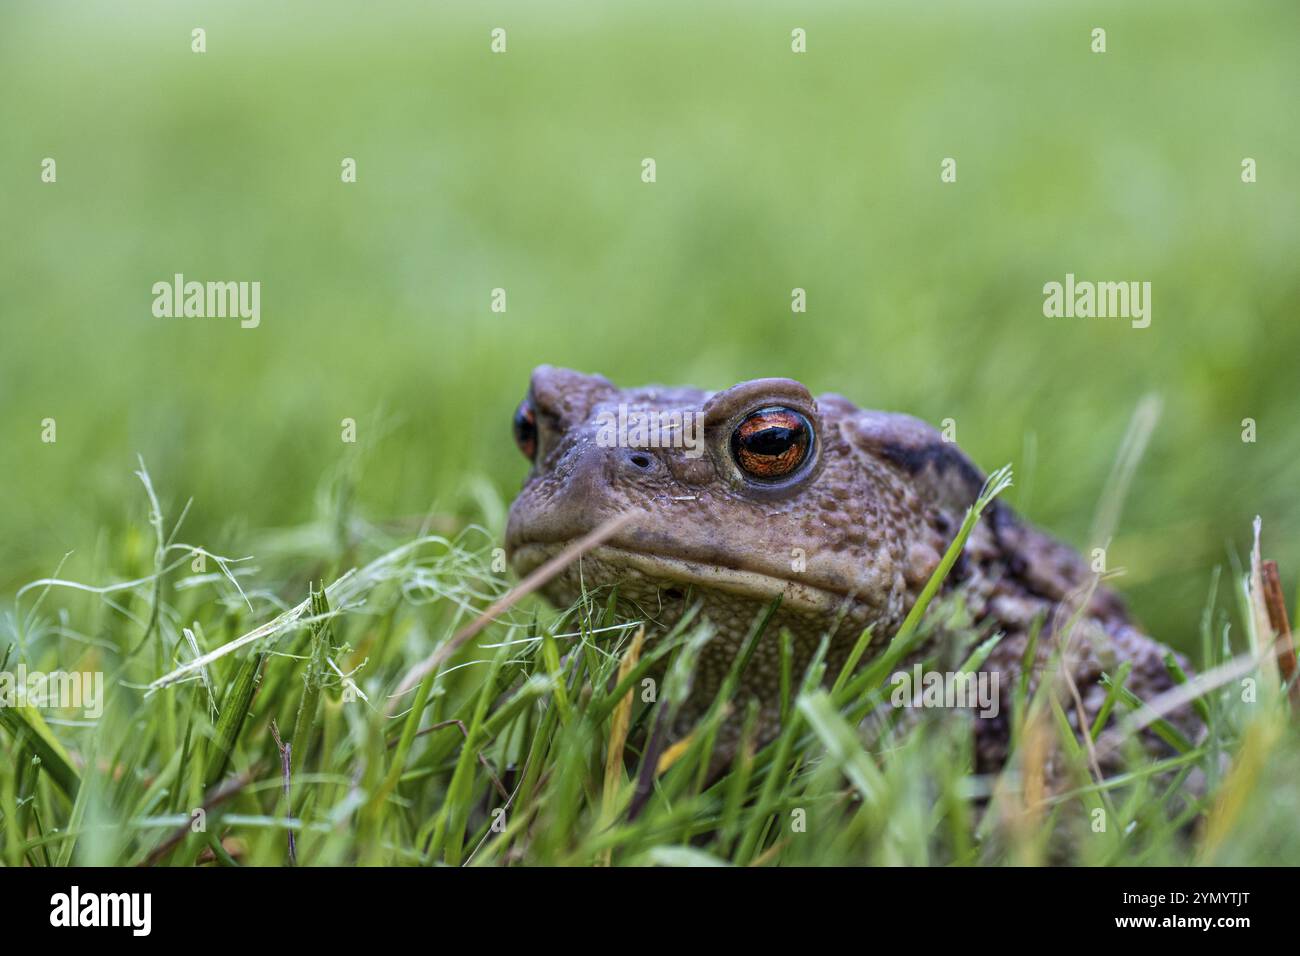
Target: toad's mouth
608 565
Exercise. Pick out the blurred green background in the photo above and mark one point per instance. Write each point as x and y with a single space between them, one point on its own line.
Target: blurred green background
522 171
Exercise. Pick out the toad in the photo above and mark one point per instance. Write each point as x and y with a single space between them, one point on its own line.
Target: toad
841 512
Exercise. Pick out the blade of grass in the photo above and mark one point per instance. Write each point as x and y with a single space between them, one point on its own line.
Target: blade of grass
234 712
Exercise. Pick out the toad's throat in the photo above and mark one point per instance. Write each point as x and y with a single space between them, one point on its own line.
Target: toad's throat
609 565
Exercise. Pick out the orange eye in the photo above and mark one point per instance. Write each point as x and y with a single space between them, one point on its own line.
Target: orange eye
771 443
525 428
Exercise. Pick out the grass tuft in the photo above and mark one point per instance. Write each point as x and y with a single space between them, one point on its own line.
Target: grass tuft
541 738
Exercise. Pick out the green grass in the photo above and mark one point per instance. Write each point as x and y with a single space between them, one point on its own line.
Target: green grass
501 756
522 171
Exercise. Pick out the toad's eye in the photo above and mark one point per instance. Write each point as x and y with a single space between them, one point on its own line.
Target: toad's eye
525 427
771 443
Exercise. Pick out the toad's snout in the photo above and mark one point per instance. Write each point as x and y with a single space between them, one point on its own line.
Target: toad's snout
578 494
